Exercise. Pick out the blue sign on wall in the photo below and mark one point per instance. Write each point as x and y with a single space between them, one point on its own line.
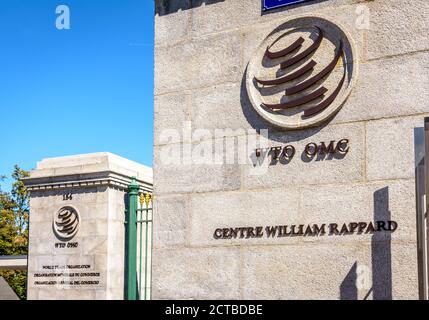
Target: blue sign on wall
272 4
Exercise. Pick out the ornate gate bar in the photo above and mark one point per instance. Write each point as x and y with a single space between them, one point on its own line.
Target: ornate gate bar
139 240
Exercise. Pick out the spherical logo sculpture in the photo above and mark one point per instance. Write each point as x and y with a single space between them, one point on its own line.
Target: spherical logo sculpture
66 223
302 73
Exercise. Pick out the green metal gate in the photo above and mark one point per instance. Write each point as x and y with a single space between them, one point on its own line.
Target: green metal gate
139 241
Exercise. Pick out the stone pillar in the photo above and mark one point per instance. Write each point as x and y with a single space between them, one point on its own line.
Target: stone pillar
77 230
209 56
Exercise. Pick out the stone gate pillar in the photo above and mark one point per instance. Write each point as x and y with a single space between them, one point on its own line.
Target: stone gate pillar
77 231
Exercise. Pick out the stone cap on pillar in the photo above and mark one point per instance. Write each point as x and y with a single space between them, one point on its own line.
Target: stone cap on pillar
94 169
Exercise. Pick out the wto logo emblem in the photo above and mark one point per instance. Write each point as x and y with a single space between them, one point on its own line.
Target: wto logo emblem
66 223
302 73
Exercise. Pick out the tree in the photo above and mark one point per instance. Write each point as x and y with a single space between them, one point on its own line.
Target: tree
14 212
20 196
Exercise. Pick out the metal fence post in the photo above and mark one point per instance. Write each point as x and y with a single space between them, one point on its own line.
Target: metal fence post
133 193
427 199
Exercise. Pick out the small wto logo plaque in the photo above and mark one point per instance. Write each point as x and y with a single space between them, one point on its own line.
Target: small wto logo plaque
66 223
302 73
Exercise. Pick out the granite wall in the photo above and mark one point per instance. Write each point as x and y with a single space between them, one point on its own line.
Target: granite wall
202 49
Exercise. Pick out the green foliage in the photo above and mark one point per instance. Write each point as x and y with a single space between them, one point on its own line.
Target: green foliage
14 212
17 279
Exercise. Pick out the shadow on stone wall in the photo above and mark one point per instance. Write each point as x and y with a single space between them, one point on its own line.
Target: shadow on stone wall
381 257
381 251
164 7
64 192
348 289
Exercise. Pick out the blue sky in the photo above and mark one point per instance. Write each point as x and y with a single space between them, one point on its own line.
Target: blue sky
87 89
